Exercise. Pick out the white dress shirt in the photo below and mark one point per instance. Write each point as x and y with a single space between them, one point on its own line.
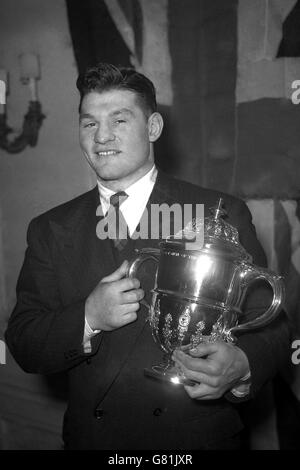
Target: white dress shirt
138 194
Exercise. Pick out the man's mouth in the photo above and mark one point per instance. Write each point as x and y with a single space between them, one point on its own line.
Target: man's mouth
107 153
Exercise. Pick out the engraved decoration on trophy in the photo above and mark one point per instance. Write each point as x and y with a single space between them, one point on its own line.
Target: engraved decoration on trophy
200 293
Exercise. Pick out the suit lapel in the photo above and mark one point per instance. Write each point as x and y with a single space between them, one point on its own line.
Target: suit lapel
88 258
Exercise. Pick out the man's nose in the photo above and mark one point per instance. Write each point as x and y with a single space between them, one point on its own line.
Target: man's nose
104 134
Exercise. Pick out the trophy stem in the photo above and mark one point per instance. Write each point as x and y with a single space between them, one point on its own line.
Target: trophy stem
168 372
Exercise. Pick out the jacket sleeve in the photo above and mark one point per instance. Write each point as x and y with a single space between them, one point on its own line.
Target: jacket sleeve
43 335
267 348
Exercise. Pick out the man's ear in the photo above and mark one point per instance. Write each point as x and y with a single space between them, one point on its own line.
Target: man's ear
155 126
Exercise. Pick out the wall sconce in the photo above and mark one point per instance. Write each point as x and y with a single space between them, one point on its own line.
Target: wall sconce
30 73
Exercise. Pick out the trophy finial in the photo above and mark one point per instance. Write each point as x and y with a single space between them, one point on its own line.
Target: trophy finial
218 211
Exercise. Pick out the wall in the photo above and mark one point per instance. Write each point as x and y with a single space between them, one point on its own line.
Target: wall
39 178
30 183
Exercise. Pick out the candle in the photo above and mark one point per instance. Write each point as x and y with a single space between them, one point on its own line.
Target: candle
30 73
3 89
33 89
30 67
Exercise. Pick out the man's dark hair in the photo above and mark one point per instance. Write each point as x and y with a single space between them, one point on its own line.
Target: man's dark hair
105 77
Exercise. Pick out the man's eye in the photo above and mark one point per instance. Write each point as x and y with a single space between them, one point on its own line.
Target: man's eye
120 121
89 124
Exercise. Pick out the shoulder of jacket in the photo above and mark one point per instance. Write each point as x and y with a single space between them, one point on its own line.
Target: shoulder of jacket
197 191
62 211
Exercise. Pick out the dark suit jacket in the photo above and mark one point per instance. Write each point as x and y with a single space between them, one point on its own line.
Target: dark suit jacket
112 405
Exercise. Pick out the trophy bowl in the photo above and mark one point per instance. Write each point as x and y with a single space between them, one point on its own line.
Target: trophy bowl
200 290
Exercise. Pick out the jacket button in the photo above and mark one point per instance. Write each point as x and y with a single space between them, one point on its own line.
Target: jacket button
157 411
98 413
89 360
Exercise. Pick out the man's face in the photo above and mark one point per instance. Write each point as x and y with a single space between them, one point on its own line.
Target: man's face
115 137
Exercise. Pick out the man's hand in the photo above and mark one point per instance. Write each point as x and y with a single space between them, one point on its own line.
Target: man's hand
114 301
216 367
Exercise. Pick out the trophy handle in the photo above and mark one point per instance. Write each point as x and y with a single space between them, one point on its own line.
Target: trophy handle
253 273
142 255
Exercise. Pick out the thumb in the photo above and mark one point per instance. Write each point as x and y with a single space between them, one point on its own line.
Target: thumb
118 273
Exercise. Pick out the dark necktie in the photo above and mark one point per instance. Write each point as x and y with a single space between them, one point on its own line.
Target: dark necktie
114 215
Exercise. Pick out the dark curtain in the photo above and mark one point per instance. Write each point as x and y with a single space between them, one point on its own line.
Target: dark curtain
290 43
94 35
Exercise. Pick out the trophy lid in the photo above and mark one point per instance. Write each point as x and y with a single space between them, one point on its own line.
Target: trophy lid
218 236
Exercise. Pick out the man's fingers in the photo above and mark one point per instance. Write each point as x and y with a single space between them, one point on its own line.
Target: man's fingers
192 363
202 392
199 377
132 296
127 284
205 348
117 274
129 317
128 308
124 315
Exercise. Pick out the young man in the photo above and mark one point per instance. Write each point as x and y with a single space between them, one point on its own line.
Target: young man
78 312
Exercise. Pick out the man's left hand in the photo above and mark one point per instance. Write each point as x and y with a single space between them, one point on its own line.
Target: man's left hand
215 367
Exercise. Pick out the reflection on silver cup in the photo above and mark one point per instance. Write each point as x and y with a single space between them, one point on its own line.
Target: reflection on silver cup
199 293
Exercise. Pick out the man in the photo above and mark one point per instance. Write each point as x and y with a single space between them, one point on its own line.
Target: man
78 312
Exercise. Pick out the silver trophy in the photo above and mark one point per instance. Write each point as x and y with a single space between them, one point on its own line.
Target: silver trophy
199 293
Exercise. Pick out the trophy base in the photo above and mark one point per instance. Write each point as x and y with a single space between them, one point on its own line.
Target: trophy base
168 374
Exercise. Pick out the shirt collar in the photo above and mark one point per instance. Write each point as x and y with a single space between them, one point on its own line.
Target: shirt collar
141 188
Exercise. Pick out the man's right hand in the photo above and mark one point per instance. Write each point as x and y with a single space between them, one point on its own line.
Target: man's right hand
114 301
